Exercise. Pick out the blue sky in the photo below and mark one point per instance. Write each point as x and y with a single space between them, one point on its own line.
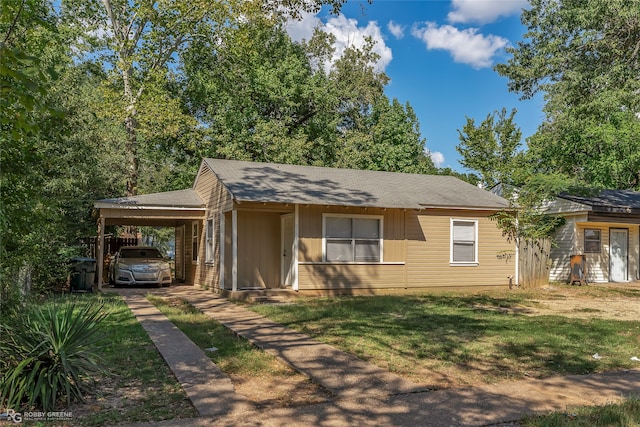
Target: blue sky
439 55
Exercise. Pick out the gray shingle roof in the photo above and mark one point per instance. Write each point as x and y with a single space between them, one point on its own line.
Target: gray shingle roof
169 199
270 182
609 198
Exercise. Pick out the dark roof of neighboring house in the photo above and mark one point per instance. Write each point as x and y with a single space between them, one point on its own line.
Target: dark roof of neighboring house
608 198
280 183
169 199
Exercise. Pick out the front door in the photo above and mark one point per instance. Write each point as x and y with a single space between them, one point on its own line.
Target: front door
618 251
287 223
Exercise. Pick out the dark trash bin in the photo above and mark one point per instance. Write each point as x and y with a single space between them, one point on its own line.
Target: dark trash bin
83 273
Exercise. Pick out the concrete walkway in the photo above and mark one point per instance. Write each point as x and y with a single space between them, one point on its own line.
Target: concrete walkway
342 374
211 392
365 395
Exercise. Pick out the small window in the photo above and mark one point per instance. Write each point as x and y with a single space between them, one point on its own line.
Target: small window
464 245
352 238
592 240
210 240
194 242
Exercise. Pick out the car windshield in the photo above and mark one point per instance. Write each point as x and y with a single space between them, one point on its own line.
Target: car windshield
140 253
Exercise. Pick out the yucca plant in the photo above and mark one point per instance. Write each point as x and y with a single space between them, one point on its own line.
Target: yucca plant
54 353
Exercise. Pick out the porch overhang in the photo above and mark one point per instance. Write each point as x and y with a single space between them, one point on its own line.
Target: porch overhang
167 209
148 215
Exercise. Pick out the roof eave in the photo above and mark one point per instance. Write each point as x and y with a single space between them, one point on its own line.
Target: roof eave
111 205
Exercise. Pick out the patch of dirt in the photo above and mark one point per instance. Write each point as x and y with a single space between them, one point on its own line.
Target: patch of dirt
267 393
578 303
580 308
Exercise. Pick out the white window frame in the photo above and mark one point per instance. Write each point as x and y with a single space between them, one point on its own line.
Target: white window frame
475 255
210 240
380 240
599 233
194 242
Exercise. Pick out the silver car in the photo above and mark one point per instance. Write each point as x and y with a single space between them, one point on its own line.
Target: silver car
139 265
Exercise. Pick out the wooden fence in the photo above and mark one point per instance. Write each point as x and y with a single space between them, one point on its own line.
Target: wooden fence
111 245
534 263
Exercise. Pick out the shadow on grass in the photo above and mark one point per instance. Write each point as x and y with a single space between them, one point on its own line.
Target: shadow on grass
462 334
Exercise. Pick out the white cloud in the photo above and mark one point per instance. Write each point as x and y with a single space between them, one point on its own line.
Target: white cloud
484 11
437 158
466 46
396 29
302 29
347 34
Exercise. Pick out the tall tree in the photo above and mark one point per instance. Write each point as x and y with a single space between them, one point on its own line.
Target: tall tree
26 74
491 148
52 166
585 57
389 139
265 98
142 40
258 95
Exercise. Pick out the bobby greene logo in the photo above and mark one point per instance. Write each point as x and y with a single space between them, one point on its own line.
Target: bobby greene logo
11 415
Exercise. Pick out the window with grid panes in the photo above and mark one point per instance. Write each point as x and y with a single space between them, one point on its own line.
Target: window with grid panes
352 238
463 241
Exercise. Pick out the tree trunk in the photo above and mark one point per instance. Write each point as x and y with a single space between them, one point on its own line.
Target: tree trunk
131 124
131 149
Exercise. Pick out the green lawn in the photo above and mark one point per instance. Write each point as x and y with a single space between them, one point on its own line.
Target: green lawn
235 355
446 340
138 385
443 340
626 414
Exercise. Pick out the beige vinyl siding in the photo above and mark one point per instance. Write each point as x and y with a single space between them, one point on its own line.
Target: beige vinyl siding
217 199
561 206
208 270
314 274
416 253
310 233
228 255
597 264
634 252
347 276
183 250
564 246
211 191
570 241
428 252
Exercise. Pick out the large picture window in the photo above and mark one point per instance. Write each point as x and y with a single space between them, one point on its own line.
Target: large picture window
210 240
592 240
352 238
464 241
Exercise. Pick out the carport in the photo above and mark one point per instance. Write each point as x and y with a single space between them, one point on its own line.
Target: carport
183 210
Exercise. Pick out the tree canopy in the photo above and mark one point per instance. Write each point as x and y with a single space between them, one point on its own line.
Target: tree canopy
104 99
491 147
584 56
263 97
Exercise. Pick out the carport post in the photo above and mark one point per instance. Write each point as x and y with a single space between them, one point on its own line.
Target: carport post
100 251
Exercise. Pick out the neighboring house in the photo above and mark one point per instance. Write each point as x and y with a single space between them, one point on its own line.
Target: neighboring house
605 229
247 225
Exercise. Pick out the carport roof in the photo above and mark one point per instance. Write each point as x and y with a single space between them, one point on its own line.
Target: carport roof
281 183
179 199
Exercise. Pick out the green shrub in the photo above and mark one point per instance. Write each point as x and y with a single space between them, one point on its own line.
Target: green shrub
50 353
